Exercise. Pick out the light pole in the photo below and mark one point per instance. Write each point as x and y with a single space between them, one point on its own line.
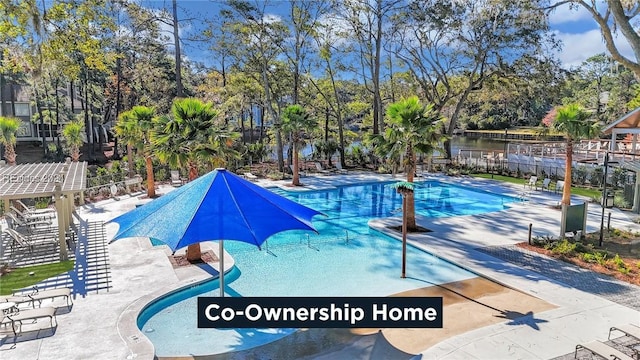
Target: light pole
405 189
604 196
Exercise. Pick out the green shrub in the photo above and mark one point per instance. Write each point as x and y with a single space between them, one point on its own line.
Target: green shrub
601 257
588 257
116 171
42 202
140 167
582 248
621 202
160 174
564 247
579 175
618 263
618 176
596 177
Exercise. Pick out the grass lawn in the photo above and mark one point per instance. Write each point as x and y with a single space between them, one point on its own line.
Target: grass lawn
590 193
20 277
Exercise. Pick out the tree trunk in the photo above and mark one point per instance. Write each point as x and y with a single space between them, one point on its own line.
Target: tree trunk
10 154
194 253
46 98
251 124
130 160
118 74
566 191
453 120
39 109
176 39
261 123
58 128
242 115
326 124
296 174
274 115
338 116
87 121
151 186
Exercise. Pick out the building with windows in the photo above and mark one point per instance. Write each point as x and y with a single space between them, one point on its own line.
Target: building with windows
15 101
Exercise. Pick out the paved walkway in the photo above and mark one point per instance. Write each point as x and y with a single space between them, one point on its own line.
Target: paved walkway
102 325
605 286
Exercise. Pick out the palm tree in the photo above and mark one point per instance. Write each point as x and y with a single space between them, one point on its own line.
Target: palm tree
295 122
72 134
574 122
135 127
127 130
412 128
190 137
8 129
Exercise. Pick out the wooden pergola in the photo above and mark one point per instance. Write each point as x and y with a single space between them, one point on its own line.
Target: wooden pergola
628 124
58 180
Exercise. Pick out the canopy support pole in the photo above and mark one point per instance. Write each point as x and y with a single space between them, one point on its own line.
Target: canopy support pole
221 256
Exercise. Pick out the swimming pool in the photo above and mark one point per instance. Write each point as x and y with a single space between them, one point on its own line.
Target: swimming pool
346 258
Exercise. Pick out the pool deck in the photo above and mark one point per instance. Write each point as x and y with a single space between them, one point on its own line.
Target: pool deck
102 325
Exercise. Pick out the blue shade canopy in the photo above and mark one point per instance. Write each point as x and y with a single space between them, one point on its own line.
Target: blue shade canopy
217 206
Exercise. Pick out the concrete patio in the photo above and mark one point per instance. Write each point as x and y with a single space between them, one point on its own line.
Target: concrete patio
101 324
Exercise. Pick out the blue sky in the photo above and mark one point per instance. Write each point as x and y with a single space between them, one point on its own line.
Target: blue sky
579 33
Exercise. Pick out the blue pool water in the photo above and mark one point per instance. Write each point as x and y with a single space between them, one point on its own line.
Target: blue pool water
346 258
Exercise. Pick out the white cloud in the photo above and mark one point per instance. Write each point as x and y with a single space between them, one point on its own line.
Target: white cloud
568 14
580 46
271 18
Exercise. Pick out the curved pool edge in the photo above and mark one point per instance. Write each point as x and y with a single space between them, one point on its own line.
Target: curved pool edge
417 240
381 225
138 344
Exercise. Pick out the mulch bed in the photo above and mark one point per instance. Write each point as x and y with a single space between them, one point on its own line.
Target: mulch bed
418 230
181 260
633 277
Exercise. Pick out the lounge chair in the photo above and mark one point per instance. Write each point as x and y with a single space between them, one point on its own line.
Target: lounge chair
18 317
33 211
249 176
29 242
15 222
31 218
36 295
321 169
176 180
545 184
559 186
628 330
339 167
602 349
532 182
